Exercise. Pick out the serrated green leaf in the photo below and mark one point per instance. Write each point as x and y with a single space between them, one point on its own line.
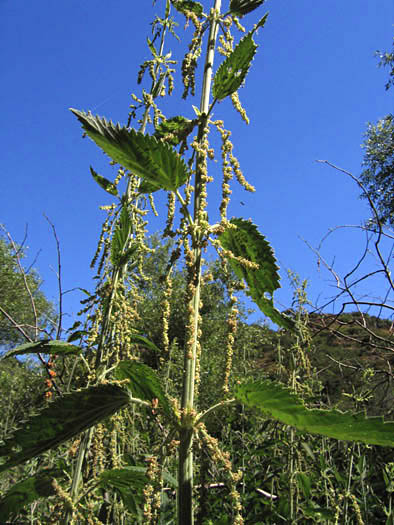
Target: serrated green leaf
178 126
26 492
106 184
144 383
243 7
155 162
247 242
189 5
61 420
130 482
232 72
44 347
278 402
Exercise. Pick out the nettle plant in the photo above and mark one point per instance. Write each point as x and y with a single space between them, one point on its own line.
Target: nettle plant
159 154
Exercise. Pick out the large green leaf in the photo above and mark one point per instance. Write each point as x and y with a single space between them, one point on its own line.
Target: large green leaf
148 158
178 126
278 402
247 242
129 482
61 420
232 72
44 347
144 383
27 491
243 7
106 184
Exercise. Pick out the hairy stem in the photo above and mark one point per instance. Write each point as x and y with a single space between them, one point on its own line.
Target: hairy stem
185 467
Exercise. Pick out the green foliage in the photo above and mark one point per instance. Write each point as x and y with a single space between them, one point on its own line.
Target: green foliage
21 391
183 6
104 183
243 7
387 59
175 340
282 404
153 161
26 492
130 482
120 250
377 176
246 242
179 127
61 420
44 347
232 72
144 384
16 301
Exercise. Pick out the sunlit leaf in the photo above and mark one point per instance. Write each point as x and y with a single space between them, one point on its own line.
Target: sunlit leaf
144 383
278 402
151 47
61 420
232 72
177 126
44 347
148 187
247 242
243 7
189 5
152 160
104 183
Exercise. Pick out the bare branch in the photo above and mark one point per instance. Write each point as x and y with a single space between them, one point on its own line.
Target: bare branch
59 278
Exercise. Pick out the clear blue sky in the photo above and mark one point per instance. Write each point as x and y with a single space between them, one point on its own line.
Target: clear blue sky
313 87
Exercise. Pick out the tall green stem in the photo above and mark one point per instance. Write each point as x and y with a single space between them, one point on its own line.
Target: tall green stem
106 327
185 466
